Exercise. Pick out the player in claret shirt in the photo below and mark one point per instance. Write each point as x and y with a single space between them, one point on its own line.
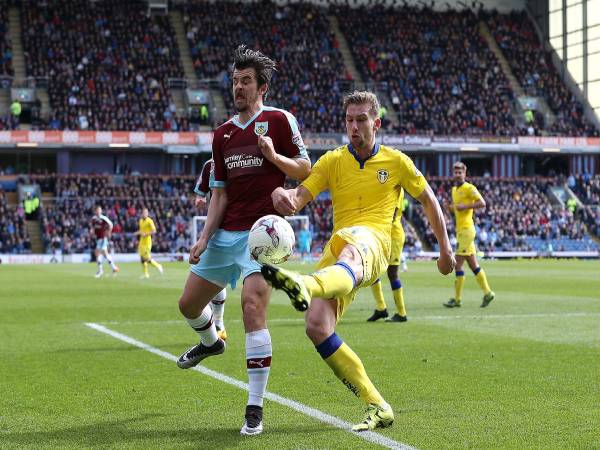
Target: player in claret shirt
253 152
101 228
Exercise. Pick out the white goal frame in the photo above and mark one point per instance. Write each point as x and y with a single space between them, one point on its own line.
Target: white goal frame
197 220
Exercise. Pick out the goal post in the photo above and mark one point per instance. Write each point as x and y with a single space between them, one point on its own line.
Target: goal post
197 224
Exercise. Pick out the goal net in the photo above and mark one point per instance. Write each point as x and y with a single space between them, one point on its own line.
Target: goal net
197 224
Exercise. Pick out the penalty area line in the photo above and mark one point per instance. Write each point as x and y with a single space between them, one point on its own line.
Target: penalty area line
369 436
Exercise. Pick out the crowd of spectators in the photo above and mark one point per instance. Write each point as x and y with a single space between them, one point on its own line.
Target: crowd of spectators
5 43
107 64
518 217
439 73
587 189
533 67
13 229
310 70
167 198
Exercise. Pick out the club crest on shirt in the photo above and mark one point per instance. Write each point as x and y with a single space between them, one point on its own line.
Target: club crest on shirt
382 175
261 128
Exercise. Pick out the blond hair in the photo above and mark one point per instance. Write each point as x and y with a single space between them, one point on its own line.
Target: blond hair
361 98
460 165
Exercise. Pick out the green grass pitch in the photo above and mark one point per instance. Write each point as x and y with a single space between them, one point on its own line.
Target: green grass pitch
523 373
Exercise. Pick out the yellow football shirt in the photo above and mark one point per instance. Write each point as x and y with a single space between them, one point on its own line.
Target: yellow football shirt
466 194
146 226
365 193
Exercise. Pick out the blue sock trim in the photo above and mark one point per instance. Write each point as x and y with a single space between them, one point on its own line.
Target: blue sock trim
349 270
396 284
329 346
460 273
477 270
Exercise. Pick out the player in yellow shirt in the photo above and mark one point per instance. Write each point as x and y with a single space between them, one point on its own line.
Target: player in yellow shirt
145 232
398 238
465 199
364 179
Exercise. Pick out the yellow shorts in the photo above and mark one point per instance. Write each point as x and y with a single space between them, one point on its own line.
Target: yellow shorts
145 252
374 250
465 245
397 242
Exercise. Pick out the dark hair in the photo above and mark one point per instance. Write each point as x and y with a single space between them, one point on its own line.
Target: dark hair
244 58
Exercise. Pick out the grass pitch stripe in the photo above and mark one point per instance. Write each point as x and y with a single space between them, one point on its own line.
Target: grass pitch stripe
301 408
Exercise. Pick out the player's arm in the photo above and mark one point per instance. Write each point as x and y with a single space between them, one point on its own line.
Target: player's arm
434 214
289 201
216 212
295 168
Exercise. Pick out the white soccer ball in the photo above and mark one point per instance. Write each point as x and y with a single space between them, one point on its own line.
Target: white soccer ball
271 240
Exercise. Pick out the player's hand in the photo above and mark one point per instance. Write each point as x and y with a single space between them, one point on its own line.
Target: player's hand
265 144
446 262
197 250
461 207
200 202
283 202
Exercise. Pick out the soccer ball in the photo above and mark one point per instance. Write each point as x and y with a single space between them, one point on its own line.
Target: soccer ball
271 240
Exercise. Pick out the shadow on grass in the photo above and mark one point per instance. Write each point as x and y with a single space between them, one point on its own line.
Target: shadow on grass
126 432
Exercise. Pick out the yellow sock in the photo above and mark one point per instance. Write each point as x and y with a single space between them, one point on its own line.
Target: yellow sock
482 280
458 285
154 263
347 366
377 290
145 264
330 282
399 301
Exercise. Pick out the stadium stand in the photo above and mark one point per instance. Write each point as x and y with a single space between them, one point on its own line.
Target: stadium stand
5 44
537 75
587 189
167 198
107 63
7 121
437 70
310 75
13 230
518 216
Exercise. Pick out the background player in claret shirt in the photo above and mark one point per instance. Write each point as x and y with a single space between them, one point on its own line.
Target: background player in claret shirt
398 238
202 191
252 154
364 179
465 199
101 229
146 229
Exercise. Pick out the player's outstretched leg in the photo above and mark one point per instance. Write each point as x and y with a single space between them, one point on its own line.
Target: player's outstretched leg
327 282
289 282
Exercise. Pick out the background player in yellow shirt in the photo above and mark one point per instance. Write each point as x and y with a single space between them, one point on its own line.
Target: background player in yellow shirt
465 199
146 230
398 238
364 179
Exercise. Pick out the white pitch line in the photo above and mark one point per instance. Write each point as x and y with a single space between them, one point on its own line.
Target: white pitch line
301 408
412 318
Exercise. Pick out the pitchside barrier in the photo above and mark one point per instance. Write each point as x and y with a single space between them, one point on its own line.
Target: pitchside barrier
78 258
